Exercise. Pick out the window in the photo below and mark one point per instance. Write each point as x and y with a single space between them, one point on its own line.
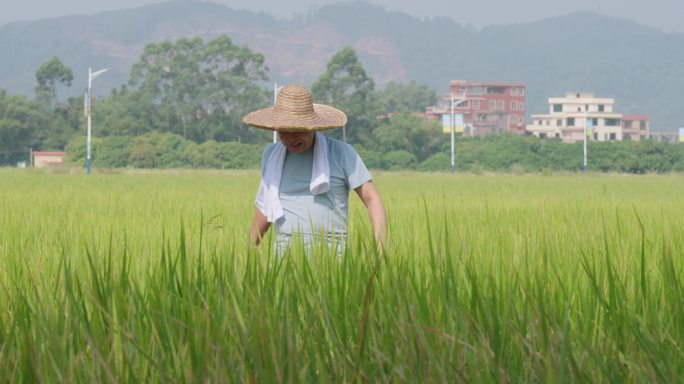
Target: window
558 107
475 90
476 104
500 105
559 122
542 135
514 105
626 136
612 136
514 91
492 105
612 122
601 108
571 121
642 125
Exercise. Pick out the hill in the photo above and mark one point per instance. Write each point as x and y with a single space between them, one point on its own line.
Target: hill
638 66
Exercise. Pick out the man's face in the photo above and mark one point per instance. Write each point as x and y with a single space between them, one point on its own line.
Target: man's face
297 142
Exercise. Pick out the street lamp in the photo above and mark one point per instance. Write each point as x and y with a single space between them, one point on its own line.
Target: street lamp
89 96
587 124
276 89
453 135
454 102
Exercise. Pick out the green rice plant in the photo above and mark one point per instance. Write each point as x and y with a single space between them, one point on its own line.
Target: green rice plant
133 276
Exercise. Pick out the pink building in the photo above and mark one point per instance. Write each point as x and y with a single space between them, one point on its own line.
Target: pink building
487 107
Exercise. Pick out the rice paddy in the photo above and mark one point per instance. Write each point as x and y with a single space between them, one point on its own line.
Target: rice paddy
146 277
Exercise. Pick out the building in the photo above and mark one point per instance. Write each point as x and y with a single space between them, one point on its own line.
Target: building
486 107
636 127
48 159
569 116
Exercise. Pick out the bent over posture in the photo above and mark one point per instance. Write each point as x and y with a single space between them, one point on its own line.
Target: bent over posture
306 177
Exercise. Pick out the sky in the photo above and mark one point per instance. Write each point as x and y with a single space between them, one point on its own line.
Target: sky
665 15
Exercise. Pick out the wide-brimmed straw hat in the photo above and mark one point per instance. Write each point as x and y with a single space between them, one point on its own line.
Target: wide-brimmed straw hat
295 111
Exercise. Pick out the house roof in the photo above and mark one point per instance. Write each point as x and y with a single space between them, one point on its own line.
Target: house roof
39 153
636 117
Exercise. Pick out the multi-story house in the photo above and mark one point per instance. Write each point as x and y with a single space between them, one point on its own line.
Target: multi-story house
486 107
571 116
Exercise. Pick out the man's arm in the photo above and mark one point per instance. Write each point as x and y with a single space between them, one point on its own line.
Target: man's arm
259 227
376 210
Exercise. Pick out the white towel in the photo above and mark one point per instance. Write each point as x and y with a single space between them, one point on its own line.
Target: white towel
267 197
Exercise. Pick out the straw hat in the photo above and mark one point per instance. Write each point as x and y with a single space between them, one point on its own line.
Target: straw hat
295 112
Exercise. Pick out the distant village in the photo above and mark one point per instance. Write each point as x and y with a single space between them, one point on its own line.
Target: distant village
481 108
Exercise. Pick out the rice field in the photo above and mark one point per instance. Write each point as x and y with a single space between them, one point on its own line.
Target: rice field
146 277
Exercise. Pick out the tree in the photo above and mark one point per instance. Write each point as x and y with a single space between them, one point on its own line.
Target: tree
19 121
63 119
413 97
48 75
193 83
408 132
127 113
345 85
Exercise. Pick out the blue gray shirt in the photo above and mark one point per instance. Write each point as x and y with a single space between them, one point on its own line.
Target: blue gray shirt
324 215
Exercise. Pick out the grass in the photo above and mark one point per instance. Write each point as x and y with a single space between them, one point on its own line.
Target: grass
145 276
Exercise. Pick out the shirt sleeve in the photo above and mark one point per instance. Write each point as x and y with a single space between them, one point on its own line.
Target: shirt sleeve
355 170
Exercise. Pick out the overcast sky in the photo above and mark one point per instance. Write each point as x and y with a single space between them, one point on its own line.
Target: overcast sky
666 15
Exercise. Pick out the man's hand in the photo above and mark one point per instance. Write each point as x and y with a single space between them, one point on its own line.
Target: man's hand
376 210
259 227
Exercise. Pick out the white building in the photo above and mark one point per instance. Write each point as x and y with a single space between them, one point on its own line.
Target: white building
569 116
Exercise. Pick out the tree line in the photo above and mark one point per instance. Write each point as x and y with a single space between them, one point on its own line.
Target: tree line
183 104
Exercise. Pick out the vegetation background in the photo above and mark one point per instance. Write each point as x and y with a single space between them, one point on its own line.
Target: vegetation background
174 97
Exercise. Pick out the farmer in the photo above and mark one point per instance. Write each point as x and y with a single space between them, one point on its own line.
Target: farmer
306 177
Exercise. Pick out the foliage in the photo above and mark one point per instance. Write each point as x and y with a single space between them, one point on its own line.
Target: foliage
371 158
226 155
409 132
19 126
413 97
201 90
398 160
426 50
345 85
49 74
436 162
127 113
164 150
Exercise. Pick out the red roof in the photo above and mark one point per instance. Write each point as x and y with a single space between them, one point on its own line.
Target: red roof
49 153
486 83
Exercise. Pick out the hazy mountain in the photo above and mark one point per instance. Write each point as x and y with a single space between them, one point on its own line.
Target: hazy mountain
638 66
